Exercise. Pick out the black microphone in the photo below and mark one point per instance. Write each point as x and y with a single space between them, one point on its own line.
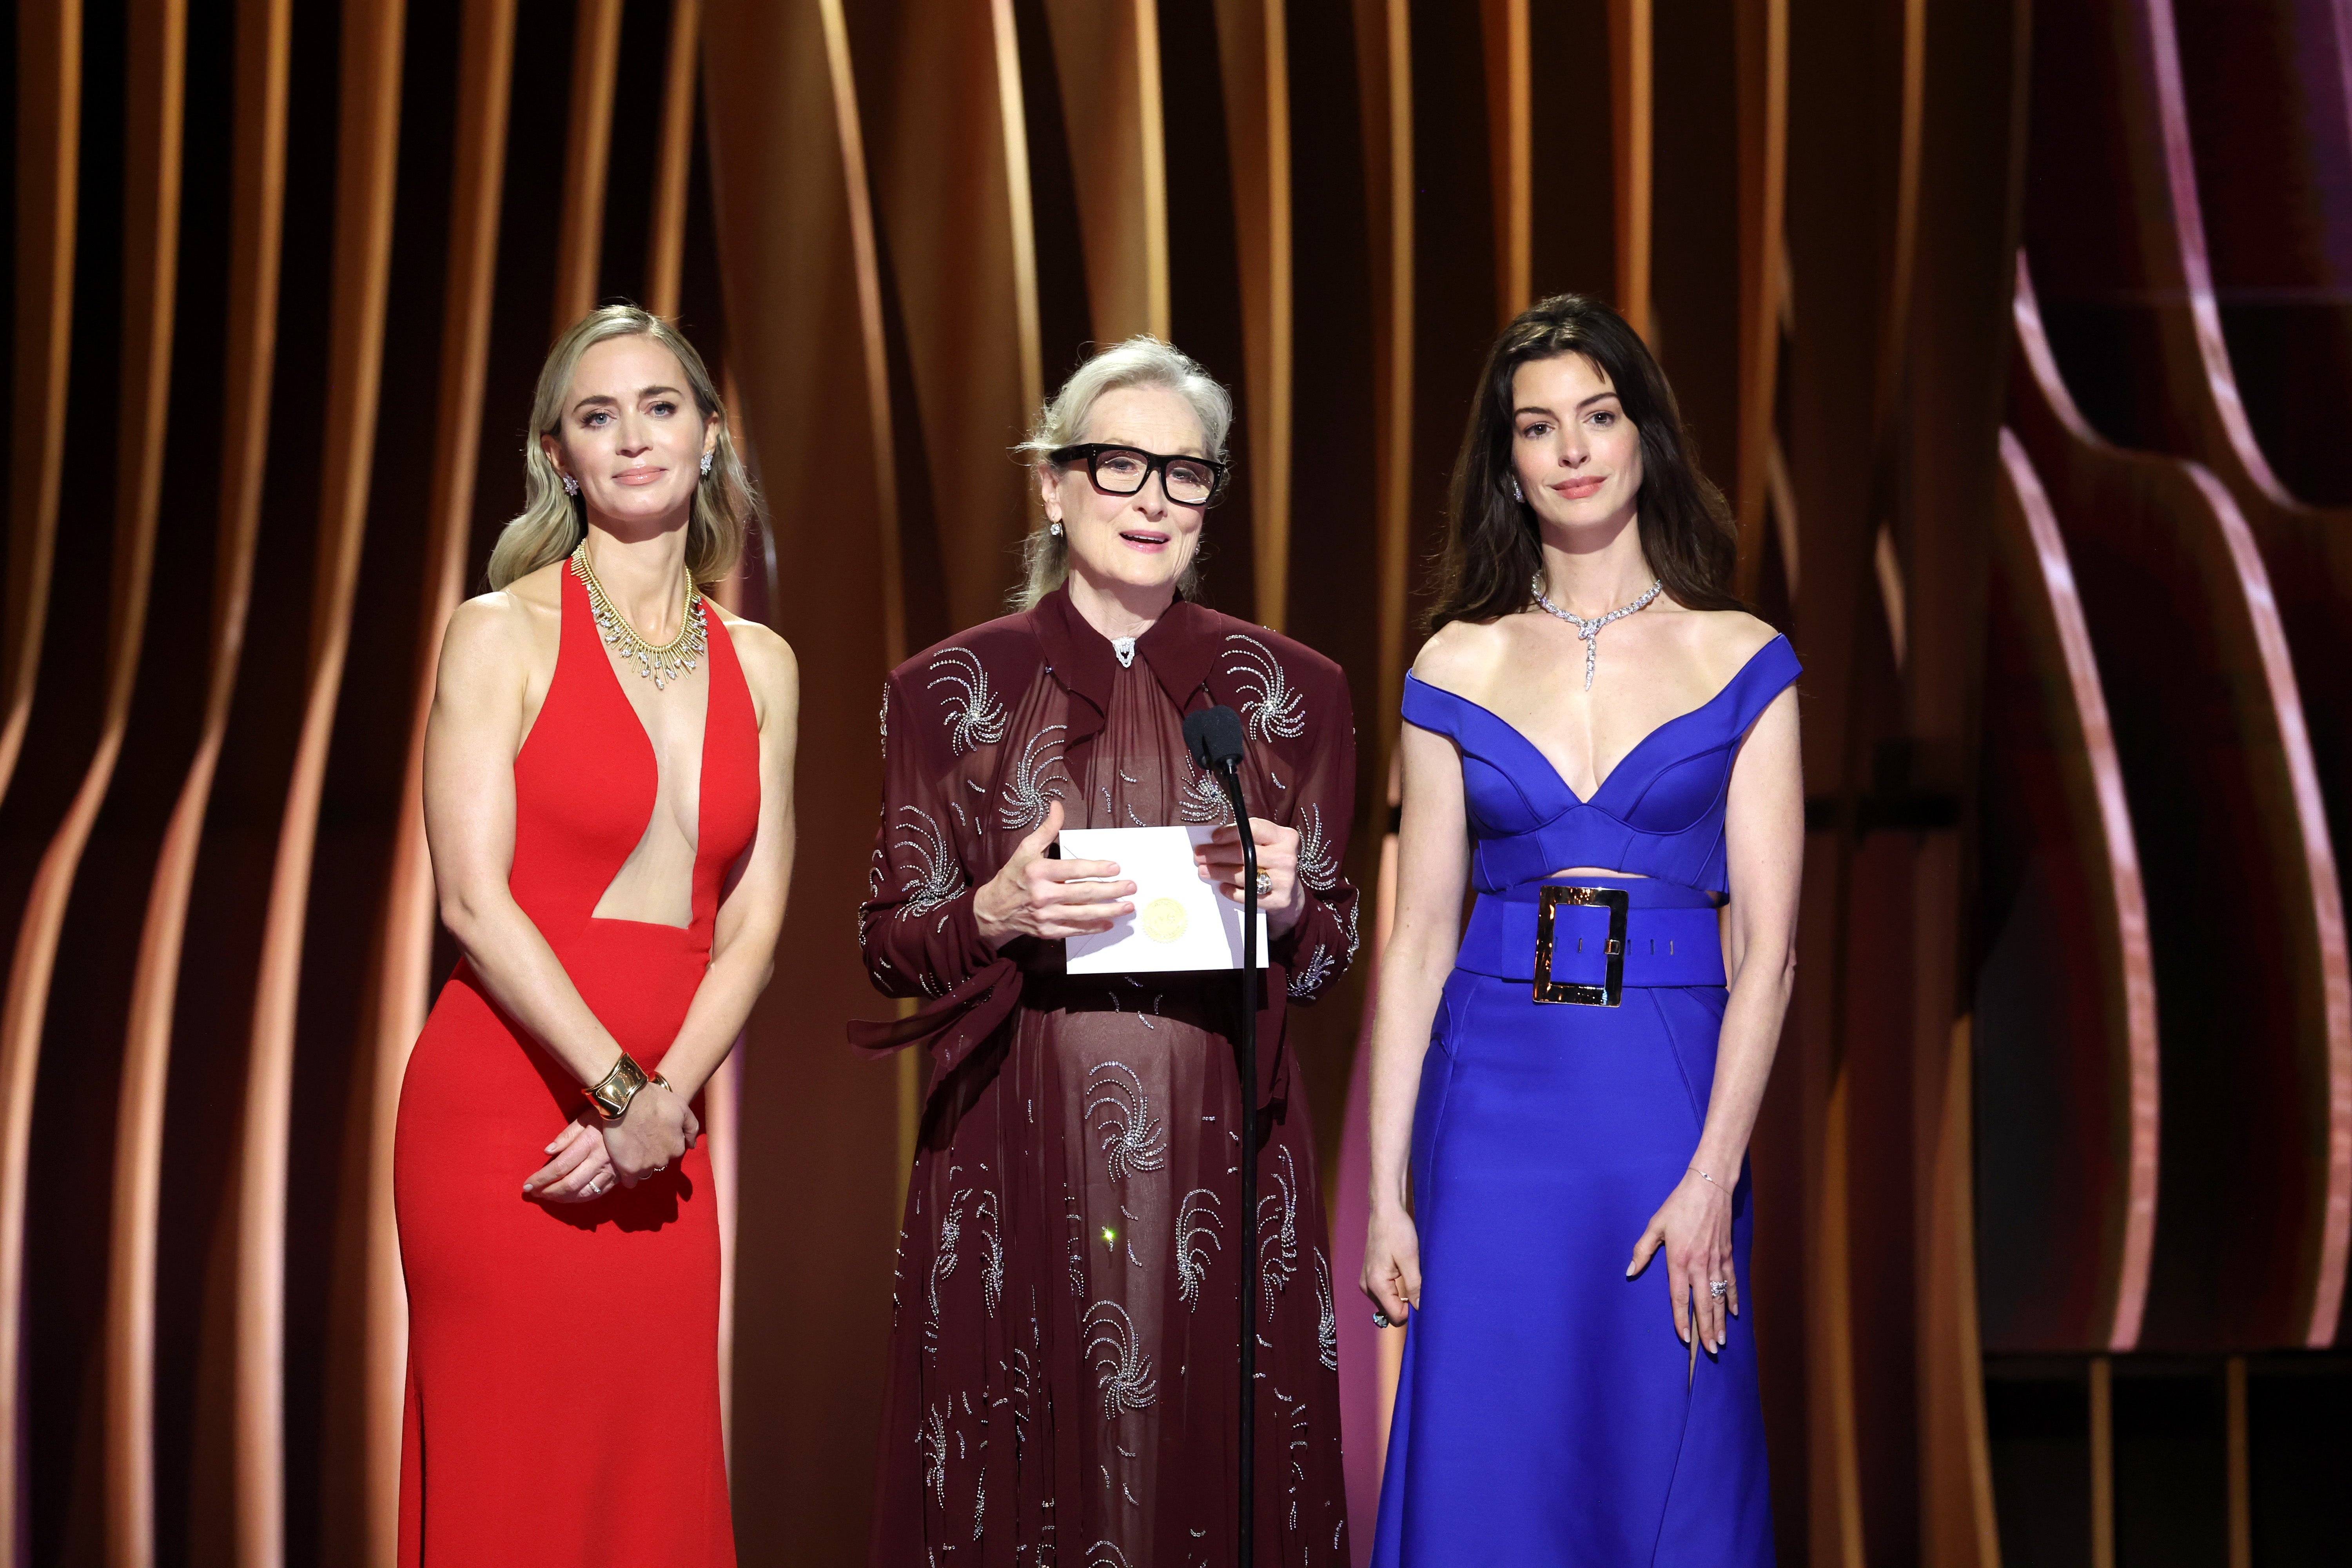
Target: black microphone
1213 736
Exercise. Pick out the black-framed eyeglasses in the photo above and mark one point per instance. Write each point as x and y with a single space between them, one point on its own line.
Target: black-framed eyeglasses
1124 471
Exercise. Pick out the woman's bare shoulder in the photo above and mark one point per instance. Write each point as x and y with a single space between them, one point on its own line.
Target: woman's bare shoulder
1723 641
493 628
1463 657
770 666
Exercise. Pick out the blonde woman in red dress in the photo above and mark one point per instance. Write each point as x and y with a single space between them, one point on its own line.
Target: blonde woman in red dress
608 797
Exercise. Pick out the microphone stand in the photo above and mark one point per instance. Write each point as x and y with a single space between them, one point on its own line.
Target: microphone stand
1231 778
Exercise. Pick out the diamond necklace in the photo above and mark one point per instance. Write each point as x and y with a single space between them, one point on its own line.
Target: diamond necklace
661 663
1591 630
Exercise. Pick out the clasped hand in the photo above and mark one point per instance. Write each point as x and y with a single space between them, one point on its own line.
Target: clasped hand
1220 861
1032 895
590 1153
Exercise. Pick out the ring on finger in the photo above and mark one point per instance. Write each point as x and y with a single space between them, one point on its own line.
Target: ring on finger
1265 884
1716 1287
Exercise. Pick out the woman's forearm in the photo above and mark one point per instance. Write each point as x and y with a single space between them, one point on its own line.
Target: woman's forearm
523 976
1411 983
722 1005
1752 1018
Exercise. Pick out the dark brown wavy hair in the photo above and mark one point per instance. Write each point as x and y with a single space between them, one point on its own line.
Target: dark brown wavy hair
1493 544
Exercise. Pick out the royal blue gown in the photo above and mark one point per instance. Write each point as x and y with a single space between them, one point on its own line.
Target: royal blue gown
1547 1412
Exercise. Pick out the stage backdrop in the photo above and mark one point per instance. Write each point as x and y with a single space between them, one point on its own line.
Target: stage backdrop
2020 338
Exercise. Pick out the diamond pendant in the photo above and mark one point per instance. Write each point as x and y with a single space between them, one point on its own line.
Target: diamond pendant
1125 648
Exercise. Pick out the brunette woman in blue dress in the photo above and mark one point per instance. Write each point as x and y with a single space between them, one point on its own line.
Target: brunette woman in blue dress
1604 743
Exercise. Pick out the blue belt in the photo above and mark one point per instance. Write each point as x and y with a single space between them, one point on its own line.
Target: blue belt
1585 942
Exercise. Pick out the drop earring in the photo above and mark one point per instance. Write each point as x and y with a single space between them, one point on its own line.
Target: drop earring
1054 527
1517 494
571 486
706 465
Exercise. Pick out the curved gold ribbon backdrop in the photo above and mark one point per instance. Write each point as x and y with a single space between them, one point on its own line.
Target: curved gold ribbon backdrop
1945 290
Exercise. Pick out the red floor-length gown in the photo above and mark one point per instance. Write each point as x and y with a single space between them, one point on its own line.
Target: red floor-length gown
562 1360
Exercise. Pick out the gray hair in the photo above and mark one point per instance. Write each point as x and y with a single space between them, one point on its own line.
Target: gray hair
1141 361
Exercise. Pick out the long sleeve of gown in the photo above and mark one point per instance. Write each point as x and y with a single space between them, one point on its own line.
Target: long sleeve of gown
917 926
1317 950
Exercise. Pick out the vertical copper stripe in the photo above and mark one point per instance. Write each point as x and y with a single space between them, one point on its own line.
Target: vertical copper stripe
1894 334
1107 61
934 107
1763 67
368 146
790 182
579 246
48 164
2240 1449
1631 97
2102 1462
1152 165
1836 1459
1510 153
1385 47
404 968
1253 50
1013 109
865 263
865 260
1955 1530
258 171
156 67
674 163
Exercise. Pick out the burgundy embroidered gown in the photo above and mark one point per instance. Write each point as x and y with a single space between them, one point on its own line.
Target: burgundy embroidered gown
1065 1343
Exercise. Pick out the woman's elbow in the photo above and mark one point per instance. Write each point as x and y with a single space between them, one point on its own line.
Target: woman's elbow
463 914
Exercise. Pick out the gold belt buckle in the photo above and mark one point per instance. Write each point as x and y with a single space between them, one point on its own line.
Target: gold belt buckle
1612 984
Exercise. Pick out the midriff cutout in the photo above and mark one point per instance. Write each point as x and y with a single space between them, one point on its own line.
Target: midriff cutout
1718 900
655 886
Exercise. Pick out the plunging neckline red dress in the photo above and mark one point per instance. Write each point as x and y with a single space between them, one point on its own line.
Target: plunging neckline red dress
562 1399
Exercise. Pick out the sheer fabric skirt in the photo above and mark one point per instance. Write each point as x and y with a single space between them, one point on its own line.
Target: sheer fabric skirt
1067 1317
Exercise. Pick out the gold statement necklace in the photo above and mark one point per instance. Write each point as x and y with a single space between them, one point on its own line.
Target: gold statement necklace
662 663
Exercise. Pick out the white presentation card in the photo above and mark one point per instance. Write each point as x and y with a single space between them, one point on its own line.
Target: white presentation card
1180 921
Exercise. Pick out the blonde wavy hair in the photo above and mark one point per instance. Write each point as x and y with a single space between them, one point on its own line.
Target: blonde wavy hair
551 524
1141 361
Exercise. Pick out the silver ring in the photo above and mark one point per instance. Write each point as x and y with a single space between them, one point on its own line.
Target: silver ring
1716 1287
1381 1319
1265 884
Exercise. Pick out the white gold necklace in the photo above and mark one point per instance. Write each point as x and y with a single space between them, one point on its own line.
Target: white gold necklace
1591 630
661 663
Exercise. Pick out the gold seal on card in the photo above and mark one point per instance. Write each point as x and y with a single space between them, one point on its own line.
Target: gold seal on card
1163 920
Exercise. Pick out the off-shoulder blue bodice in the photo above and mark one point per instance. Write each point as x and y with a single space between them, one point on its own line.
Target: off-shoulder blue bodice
1658 814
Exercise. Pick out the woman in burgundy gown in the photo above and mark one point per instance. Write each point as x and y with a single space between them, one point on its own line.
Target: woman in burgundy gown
608 797
1065 1328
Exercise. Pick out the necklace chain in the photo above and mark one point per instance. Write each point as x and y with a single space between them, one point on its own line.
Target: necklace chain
661 663
1590 630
